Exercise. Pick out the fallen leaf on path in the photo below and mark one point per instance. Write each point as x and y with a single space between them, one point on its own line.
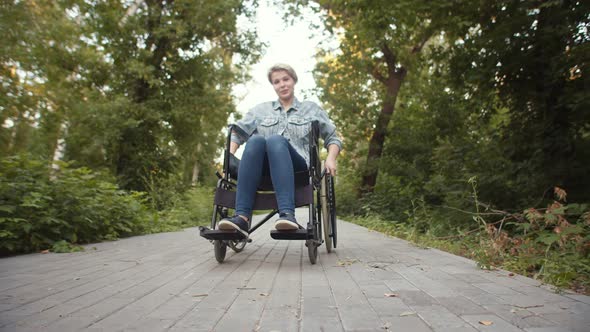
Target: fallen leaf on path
200 295
511 274
378 265
529 306
407 313
347 262
263 294
486 322
390 295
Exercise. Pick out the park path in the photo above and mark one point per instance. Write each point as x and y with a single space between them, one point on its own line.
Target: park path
371 282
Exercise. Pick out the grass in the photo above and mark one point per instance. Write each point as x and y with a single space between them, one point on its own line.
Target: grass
564 268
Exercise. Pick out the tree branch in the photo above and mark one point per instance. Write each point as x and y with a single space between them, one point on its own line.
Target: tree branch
390 59
377 74
418 47
130 12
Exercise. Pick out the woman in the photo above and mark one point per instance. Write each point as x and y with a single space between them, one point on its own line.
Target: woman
278 145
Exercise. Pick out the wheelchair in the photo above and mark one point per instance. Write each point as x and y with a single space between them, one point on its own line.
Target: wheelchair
313 188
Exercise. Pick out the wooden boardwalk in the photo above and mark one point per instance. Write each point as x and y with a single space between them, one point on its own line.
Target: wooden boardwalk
371 282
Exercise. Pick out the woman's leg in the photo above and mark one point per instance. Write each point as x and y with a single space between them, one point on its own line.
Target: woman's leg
249 174
284 161
248 178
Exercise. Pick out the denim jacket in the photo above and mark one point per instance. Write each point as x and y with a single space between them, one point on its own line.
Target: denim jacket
268 119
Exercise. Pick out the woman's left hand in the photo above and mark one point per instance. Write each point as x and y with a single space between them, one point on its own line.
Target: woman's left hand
330 166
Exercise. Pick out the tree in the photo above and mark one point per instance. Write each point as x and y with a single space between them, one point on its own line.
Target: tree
380 43
170 72
532 56
40 60
142 88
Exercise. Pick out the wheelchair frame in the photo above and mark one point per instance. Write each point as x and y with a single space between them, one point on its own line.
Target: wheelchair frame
318 194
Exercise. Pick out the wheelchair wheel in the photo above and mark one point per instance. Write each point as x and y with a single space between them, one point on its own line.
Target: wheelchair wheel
237 245
327 224
312 250
331 198
220 248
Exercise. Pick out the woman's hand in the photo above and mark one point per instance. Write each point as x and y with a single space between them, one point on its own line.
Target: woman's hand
330 164
233 147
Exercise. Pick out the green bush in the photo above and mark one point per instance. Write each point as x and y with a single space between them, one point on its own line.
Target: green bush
347 202
39 206
192 208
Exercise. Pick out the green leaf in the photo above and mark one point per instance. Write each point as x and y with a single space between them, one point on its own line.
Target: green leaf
548 238
65 247
7 208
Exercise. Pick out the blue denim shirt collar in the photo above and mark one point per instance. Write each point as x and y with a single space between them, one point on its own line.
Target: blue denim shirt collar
276 105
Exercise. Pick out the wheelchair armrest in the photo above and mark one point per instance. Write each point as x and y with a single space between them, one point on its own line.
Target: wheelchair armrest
231 162
238 130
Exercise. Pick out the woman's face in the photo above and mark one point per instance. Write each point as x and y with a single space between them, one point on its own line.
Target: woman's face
283 84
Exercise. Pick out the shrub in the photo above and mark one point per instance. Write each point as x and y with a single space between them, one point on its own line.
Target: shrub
39 207
191 208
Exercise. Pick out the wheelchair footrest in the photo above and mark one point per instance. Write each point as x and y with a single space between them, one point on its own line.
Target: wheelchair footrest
299 234
214 234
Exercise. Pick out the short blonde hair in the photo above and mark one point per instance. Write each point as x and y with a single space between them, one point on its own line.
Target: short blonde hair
282 67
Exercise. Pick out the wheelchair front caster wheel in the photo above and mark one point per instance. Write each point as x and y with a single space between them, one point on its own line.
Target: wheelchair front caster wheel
237 245
312 250
220 248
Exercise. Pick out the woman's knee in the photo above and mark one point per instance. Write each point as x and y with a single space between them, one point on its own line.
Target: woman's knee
257 139
255 143
276 143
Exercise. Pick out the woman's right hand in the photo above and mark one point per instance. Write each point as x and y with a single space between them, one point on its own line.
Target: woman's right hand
233 147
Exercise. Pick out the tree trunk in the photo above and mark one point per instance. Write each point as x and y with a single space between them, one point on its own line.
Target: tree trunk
393 81
195 176
377 141
196 169
59 147
135 155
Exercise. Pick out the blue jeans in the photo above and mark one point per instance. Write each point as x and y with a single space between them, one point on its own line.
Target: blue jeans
275 156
